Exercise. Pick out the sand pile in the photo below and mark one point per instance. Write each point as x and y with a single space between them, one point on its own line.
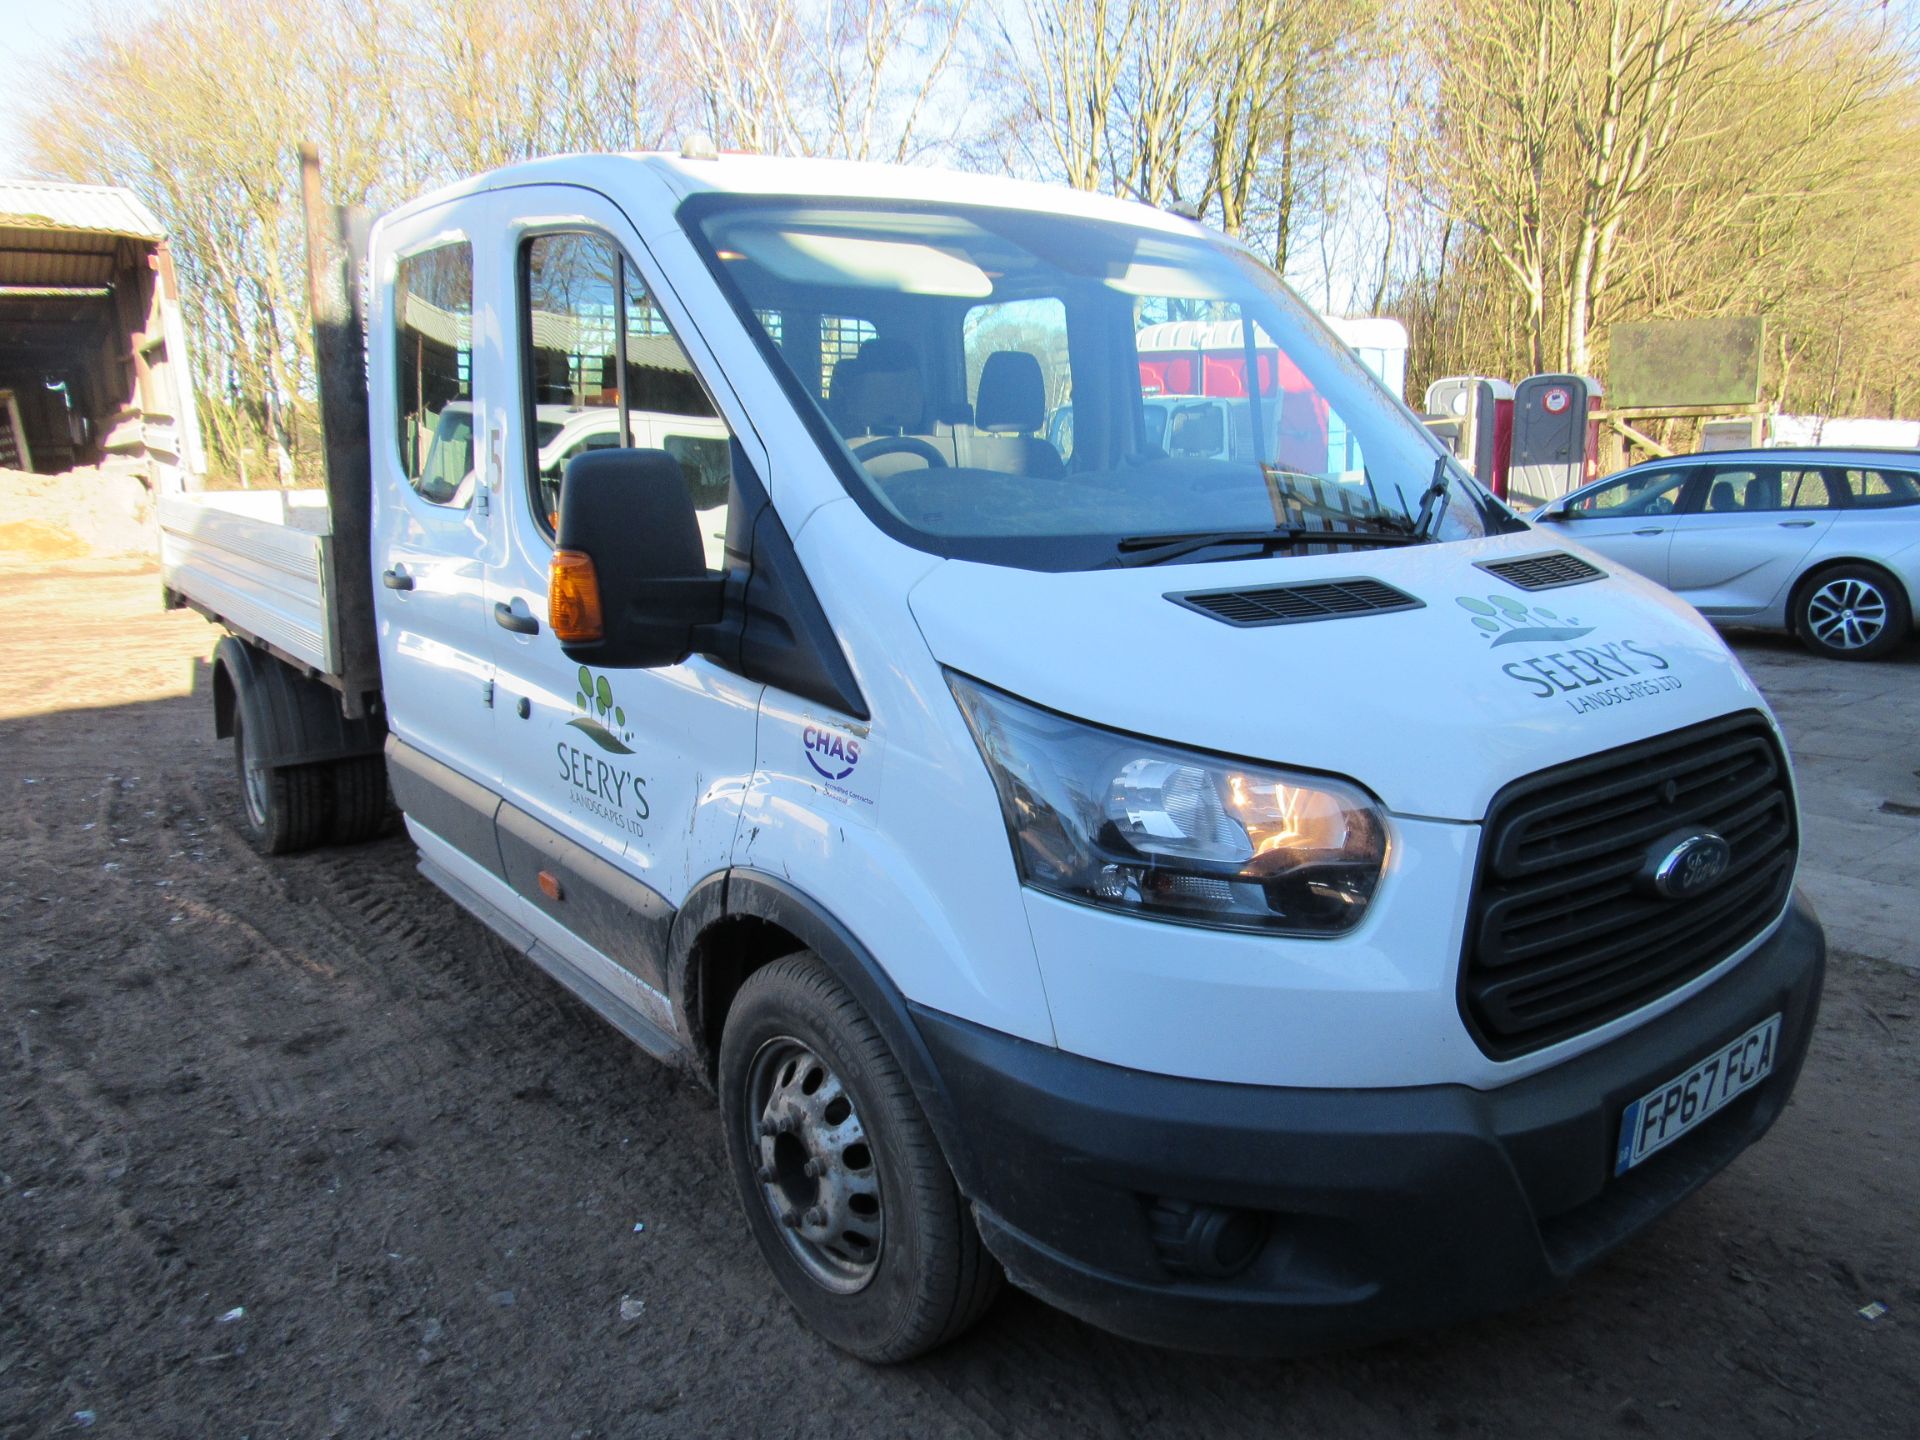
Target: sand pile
69 517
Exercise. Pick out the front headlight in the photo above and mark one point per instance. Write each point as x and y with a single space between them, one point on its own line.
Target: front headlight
1170 834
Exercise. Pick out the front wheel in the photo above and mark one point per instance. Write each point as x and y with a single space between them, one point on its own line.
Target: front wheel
842 1180
1852 612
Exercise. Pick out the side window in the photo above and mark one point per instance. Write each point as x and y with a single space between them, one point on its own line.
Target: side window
433 340
841 337
1652 492
1805 490
1018 377
1765 488
1727 490
602 360
571 318
552 462
1877 489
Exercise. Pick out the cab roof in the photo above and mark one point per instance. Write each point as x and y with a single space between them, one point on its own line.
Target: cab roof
747 175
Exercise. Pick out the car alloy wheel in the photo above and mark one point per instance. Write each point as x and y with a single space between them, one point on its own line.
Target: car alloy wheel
1847 613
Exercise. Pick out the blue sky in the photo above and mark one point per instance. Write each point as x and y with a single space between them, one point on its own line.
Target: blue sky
37 31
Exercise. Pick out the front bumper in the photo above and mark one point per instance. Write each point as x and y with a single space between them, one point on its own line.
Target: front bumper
1385 1210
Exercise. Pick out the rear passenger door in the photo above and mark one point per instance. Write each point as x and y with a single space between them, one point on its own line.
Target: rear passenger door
622 787
1746 533
433 521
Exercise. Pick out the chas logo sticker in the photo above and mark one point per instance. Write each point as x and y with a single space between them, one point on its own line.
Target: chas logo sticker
845 761
832 755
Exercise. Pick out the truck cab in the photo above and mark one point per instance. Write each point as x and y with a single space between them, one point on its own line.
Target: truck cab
1257 895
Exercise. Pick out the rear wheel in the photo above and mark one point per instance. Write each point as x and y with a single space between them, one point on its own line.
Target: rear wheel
1851 612
282 807
842 1180
360 805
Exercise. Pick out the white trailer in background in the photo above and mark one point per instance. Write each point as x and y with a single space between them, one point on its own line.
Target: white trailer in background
1841 432
1381 343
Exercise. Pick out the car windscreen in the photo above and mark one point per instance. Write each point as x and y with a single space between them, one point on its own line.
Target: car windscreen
1037 389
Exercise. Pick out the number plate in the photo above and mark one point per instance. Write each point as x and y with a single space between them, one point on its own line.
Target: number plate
1664 1114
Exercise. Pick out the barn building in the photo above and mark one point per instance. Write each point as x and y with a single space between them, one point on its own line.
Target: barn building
93 359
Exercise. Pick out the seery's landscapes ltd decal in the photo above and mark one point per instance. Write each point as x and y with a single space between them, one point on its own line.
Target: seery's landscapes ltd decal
1593 676
602 784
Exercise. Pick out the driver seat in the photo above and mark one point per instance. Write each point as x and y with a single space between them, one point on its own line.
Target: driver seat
1010 405
878 390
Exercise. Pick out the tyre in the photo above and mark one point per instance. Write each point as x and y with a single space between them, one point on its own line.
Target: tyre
282 808
360 805
1851 612
842 1180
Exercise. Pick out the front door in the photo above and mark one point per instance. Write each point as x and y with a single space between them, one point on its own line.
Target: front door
1630 520
432 526
623 787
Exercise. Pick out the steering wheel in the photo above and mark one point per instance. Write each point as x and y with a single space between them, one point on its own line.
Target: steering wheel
900 445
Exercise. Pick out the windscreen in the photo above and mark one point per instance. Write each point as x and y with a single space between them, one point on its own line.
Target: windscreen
1043 390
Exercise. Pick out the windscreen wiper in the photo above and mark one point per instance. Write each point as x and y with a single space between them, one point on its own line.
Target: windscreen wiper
1153 549
1433 503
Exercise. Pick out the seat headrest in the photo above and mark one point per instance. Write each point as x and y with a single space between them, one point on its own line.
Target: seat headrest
1013 395
878 388
1720 497
1763 492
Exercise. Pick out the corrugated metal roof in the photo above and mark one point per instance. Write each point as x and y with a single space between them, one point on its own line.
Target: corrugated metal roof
95 209
31 264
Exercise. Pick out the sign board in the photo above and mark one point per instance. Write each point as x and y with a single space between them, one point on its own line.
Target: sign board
1685 362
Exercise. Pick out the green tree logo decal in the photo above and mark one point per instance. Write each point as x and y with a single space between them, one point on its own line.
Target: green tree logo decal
1507 621
600 720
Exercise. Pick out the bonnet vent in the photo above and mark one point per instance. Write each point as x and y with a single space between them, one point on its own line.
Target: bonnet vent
1546 571
1292 604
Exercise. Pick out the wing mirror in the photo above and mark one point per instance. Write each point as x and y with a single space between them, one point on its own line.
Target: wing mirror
629 586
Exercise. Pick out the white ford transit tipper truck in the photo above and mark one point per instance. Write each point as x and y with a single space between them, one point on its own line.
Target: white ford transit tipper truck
1260 898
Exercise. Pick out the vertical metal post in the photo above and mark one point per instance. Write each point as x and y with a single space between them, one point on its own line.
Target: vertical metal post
620 347
336 255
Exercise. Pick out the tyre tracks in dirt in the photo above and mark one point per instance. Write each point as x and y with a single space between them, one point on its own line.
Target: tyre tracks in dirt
315 1089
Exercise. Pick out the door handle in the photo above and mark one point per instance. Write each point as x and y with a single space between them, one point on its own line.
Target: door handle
507 618
1655 530
396 578
1798 524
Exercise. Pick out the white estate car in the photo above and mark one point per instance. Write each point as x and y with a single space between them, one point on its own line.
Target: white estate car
1824 543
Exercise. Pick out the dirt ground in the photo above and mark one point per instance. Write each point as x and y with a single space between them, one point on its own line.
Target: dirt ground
297 1149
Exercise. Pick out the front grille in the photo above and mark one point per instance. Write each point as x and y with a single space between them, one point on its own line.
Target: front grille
1562 937
1290 604
1548 571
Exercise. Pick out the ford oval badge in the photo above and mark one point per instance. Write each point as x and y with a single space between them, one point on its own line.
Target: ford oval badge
1686 865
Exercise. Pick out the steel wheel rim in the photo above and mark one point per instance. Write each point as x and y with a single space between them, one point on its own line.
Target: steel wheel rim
1847 613
814 1165
253 779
